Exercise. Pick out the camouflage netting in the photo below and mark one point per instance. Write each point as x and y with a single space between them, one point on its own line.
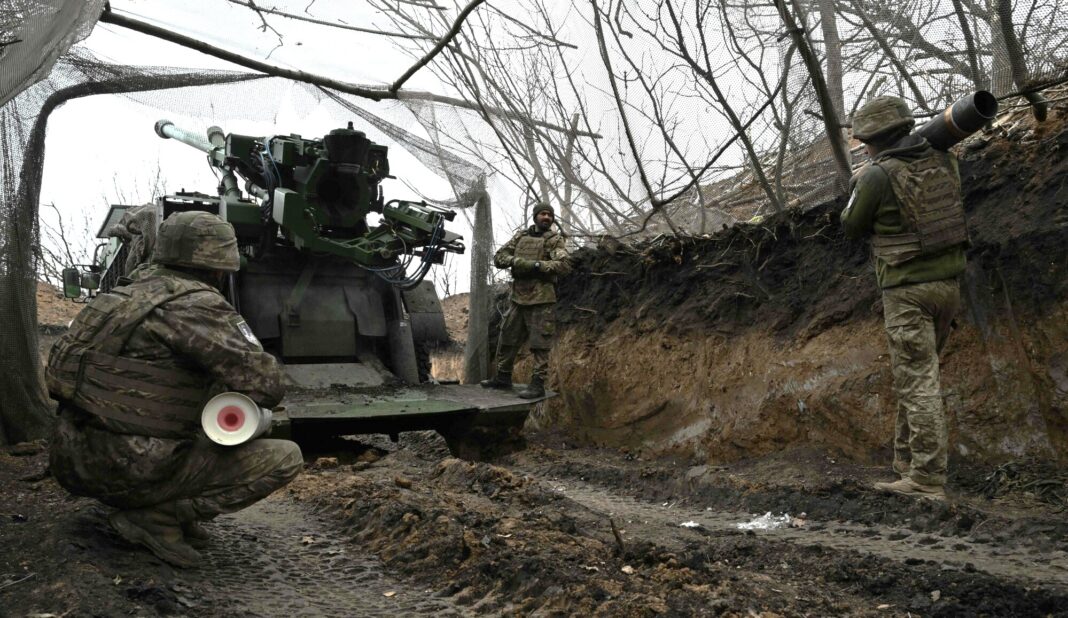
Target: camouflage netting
635 118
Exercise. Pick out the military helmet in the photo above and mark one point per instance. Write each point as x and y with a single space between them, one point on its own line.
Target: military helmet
543 207
197 239
880 116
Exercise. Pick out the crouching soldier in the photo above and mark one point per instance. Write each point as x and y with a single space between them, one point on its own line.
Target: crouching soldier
908 199
132 375
536 257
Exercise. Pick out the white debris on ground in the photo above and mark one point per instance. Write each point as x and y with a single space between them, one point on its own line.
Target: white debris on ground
767 521
690 524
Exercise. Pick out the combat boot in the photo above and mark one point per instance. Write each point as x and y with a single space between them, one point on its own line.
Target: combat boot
534 390
908 487
501 380
158 531
195 534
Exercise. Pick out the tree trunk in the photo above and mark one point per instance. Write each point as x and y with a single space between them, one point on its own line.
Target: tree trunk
566 211
832 49
978 79
535 164
1039 106
1002 81
477 355
834 129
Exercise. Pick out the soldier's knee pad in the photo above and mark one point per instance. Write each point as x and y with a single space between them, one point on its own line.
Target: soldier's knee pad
292 460
285 457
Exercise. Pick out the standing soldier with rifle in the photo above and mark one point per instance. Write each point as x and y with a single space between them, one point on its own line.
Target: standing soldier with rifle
908 199
132 376
536 256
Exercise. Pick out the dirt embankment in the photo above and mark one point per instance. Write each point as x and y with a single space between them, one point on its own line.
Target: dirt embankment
54 311
769 335
447 360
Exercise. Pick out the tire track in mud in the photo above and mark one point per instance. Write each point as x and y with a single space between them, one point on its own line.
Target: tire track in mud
276 558
661 524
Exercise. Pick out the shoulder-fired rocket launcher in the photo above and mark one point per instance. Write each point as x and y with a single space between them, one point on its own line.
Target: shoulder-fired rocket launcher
966 116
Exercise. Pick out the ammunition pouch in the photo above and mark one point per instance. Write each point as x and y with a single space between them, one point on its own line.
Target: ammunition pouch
154 399
896 249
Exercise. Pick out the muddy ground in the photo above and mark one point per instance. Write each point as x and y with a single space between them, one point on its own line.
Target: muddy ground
375 528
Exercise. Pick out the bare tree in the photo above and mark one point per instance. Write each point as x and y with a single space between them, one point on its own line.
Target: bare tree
1016 60
800 36
63 243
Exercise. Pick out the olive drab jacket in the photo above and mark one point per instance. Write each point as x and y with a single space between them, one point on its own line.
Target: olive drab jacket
531 286
145 357
908 199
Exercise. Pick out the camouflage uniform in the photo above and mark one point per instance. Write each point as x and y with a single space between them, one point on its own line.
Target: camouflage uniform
137 229
133 373
908 199
536 259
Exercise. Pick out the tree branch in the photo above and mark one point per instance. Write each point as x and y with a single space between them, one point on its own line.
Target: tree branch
618 99
329 24
440 45
533 32
723 148
892 57
373 93
367 92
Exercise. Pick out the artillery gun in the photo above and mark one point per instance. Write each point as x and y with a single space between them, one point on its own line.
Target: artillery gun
340 300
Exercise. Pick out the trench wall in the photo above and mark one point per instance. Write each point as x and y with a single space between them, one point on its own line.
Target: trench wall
768 336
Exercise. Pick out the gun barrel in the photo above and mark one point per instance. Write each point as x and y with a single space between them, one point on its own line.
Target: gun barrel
167 130
964 117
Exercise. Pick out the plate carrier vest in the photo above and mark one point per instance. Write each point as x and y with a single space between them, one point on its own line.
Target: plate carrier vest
86 369
931 206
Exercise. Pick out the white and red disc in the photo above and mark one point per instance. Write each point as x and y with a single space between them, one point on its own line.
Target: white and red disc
230 419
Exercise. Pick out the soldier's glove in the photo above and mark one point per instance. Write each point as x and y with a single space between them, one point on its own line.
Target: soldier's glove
522 266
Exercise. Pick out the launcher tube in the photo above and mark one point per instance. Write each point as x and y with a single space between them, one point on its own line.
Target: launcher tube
964 117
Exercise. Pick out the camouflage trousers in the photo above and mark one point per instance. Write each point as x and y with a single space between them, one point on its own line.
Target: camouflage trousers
918 318
189 479
532 324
